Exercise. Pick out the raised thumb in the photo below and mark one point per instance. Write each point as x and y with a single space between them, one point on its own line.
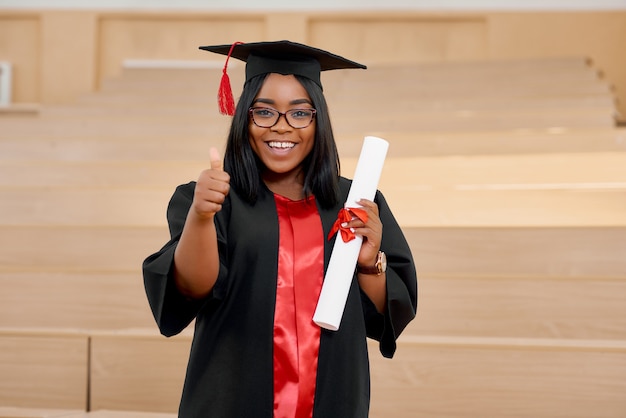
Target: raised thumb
217 163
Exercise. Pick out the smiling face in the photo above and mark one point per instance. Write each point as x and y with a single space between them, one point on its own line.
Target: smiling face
282 148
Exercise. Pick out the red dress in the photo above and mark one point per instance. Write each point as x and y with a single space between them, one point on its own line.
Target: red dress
296 336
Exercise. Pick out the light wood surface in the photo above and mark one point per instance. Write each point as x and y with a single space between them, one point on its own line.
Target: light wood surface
472 251
579 308
16 412
48 369
499 378
28 143
122 414
562 189
87 300
513 206
137 371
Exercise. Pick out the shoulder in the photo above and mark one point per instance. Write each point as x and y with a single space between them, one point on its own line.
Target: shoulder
344 185
344 188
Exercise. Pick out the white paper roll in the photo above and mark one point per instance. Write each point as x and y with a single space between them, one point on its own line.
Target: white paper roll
332 300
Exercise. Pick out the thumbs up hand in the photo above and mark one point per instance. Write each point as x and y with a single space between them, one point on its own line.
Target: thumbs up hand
217 163
212 188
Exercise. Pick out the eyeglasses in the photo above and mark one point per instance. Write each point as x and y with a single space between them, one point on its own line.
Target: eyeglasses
266 117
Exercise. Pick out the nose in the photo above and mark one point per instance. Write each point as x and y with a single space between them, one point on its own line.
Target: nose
281 124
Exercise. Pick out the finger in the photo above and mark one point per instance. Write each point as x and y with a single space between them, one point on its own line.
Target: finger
368 204
216 159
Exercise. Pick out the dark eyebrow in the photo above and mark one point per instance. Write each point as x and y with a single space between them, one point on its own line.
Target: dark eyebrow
272 102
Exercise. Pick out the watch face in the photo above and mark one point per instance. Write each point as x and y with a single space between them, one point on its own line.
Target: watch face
382 262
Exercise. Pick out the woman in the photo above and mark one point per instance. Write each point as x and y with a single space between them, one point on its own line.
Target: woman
249 246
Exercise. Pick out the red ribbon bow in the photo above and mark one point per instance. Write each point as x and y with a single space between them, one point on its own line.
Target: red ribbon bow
346 215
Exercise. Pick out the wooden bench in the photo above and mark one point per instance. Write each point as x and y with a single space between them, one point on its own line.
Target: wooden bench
524 306
500 377
123 414
13 412
46 368
473 251
431 97
501 190
137 370
17 412
94 147
82 300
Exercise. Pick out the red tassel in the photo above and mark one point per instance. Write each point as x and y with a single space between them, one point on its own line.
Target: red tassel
225 99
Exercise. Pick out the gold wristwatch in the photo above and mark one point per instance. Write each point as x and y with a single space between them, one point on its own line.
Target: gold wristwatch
379 268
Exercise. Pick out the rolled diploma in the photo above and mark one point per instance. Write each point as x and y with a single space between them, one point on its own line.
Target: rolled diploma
343 259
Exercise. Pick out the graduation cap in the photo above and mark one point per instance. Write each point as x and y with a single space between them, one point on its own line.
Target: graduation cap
282 57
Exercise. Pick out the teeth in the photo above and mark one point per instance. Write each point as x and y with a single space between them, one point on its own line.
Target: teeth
276 144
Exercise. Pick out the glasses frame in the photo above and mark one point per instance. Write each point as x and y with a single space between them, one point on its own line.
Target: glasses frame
280 114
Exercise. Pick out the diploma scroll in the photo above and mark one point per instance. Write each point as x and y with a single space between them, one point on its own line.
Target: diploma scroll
343 259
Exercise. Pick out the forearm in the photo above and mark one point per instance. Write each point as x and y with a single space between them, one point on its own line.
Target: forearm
375 287
196 259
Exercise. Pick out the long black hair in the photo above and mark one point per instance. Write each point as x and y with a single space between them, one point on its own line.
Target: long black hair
321 166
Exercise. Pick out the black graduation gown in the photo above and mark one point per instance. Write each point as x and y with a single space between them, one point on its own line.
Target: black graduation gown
230 369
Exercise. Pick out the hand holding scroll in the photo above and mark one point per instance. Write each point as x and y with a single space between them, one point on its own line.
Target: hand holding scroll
371 231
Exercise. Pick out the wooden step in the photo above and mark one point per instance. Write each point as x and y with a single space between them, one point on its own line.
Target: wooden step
123 414
44 369
205 108
463 306
77 249
546 171
39 147
104 174
473 121
18 145
25 412
557 140
138 370
569 68
74 300
500 377
414 205
521 307
530 251
518 190
438 251
351 118
53 130
13 412
484 376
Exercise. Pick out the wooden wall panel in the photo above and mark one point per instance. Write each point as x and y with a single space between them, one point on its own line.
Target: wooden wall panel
389 39
68 55
169 37
20 45
373 37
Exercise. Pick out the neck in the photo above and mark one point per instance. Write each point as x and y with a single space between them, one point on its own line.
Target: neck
289 185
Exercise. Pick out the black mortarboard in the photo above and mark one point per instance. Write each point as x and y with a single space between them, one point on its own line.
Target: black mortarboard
282 57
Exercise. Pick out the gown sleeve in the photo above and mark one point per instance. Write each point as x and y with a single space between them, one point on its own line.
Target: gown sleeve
172 311
401 285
